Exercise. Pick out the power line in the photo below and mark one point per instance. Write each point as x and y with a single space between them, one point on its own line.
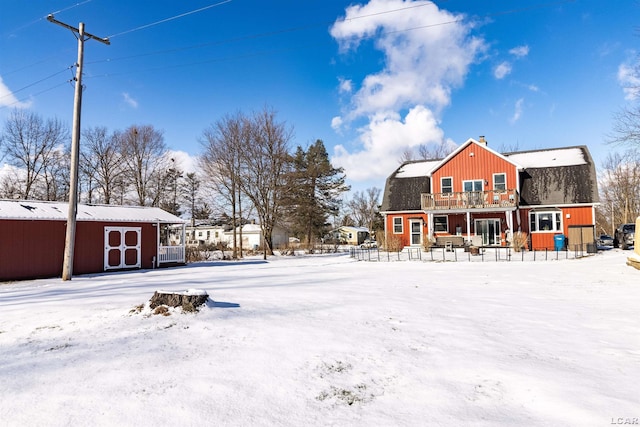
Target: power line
272 33
35 21
170 19
36 82
35 94
314 25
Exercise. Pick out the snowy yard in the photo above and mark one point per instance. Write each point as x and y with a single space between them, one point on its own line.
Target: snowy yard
327 340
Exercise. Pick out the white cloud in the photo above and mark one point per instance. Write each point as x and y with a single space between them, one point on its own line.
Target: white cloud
183 160
346 85
517 111
502 70
520 51
629 80
336 123
427 53
422 66
384 139
129 100
8 99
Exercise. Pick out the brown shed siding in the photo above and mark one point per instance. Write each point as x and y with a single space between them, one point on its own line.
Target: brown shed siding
35 248
89 251
31 249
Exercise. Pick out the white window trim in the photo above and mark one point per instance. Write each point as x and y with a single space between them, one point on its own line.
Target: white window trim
442 186
473 180
446 223
505 181
393 224
553 214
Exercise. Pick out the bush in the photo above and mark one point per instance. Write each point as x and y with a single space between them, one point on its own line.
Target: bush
519 240
427 242
394 243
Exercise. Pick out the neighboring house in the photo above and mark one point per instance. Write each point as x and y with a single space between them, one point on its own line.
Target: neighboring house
107 238
351 235
476 191
205 234
252 237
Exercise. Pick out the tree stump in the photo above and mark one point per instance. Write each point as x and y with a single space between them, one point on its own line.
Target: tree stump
189 300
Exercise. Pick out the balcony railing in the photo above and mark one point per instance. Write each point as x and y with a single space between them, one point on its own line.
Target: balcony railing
469 200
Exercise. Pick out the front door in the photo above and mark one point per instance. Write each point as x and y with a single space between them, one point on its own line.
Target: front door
121 247
416 231
489 229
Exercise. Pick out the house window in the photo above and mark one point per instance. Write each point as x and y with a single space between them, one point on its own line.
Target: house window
500 182
208 234
546 221
397 225
217 235
440 224
446 185
476 185
199 233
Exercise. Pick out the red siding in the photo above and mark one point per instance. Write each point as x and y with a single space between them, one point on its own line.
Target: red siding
406 231
481 165
581 215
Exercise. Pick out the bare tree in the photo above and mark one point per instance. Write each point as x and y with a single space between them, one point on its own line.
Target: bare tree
264 162
29 144
436 151
626 127
619 186
222 143
100 164
145 159
364 207
54 184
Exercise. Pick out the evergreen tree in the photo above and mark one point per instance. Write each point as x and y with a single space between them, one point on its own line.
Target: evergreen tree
314 192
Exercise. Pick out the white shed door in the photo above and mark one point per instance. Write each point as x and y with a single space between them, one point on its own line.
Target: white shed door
122 247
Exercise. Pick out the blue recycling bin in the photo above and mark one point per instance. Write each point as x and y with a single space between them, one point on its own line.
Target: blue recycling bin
558 242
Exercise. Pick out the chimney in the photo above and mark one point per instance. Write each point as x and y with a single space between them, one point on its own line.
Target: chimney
482 140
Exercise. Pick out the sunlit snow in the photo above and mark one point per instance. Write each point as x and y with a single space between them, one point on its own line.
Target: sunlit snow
328 340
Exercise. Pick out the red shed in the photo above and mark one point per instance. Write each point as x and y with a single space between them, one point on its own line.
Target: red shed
32 235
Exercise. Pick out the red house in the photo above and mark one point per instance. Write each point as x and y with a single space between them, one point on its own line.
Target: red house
107 238
484 196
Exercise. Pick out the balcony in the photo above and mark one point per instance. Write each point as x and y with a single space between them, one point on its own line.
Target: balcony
469 200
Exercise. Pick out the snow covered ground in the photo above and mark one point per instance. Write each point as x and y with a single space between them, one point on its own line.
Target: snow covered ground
327 340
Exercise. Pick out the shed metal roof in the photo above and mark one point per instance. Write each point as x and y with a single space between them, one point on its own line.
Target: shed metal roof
58 211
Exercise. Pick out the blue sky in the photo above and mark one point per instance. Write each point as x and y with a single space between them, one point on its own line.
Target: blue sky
371 79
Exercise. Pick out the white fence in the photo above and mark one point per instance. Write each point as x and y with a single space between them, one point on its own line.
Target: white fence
170 254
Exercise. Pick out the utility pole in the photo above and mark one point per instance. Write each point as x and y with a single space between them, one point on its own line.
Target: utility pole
69 242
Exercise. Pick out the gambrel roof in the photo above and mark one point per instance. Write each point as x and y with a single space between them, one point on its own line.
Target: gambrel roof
556 176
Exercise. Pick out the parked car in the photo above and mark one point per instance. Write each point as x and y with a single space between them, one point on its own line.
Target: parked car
624 236
605 240
369 244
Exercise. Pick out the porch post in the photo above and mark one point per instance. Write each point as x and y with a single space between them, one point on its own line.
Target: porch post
468 226
184 242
